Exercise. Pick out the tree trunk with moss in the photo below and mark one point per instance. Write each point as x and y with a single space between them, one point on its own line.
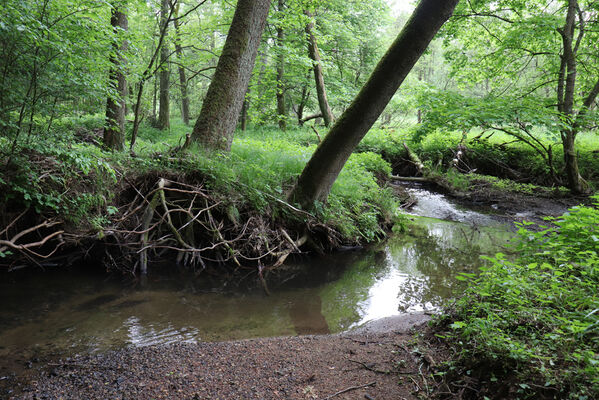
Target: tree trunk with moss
164 100
314 53
114 131
320 173
221 107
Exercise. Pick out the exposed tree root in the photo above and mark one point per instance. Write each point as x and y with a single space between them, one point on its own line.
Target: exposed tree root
177 218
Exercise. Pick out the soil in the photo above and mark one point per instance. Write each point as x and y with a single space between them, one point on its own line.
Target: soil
376 362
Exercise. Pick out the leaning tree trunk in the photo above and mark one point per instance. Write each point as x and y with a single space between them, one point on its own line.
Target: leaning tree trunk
320 173
114 131
314 53
281 107
182 78
221 107
164 100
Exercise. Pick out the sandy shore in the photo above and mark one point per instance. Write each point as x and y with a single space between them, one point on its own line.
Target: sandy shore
373 362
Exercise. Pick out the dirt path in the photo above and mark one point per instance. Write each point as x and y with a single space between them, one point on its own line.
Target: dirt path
368 364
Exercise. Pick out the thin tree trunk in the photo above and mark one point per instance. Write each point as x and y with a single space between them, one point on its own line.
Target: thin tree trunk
147 74
155 100
182 78
244 112
302 104
164 102
314 54
224 99
320 173
114 131
281 107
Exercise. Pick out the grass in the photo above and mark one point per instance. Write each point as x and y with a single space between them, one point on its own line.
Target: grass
262 166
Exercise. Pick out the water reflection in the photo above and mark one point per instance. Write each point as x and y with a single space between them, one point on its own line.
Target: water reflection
69 312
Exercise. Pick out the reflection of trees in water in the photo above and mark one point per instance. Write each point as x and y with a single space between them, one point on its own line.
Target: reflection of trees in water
420 268
341 299
433 259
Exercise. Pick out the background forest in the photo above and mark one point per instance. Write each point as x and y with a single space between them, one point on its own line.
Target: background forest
101 106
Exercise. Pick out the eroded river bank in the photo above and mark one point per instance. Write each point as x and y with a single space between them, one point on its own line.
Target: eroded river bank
64 332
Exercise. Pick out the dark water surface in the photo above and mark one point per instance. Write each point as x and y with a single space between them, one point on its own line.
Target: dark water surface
65 312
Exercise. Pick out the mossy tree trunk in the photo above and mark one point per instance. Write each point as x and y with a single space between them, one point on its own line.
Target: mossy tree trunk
114 130
314 53
221 107
567 94
164 74
320 173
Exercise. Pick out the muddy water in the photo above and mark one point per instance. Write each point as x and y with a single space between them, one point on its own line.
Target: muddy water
76 311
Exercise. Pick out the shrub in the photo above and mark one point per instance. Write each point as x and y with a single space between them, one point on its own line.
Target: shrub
538 316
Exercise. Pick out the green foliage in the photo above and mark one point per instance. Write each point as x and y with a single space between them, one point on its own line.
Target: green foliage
72 182
537 316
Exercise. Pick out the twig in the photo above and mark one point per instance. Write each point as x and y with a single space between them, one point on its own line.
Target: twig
349 389
378 371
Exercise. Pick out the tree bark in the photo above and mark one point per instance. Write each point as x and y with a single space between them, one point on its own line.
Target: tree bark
220 110
164 100
320 173
314 54
114 130
182 78
244 114
566 95
281 107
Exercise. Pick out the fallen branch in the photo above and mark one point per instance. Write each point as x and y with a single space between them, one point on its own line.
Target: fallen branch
349 389
419 179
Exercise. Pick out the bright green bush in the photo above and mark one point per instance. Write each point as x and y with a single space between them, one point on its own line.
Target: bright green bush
538 316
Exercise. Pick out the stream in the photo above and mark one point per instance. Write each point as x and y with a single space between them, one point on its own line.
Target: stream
68 312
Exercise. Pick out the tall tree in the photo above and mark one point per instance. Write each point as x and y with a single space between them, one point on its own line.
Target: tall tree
114 130
224 99
281 107
317 178
164 99
539 54
323 101
181 68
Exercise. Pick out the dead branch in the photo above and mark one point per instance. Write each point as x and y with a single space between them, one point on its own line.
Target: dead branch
349 389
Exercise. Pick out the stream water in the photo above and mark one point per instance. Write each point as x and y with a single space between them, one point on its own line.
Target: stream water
74 311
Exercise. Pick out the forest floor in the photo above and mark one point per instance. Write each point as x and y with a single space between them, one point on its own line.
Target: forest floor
384 360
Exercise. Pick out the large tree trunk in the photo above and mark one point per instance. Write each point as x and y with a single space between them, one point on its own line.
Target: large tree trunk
182 78
224 99
281 107
320 173
575 182
566 94
164 100
314 53
114 131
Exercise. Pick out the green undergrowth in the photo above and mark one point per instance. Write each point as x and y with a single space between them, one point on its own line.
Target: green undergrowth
496 153
533 323
461 183
66 173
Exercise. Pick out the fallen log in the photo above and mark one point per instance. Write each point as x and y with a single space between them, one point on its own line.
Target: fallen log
415 160
419 179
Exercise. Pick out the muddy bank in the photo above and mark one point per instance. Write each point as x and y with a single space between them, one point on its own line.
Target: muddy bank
377 362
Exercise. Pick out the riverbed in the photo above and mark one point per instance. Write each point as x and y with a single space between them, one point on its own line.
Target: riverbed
78 311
